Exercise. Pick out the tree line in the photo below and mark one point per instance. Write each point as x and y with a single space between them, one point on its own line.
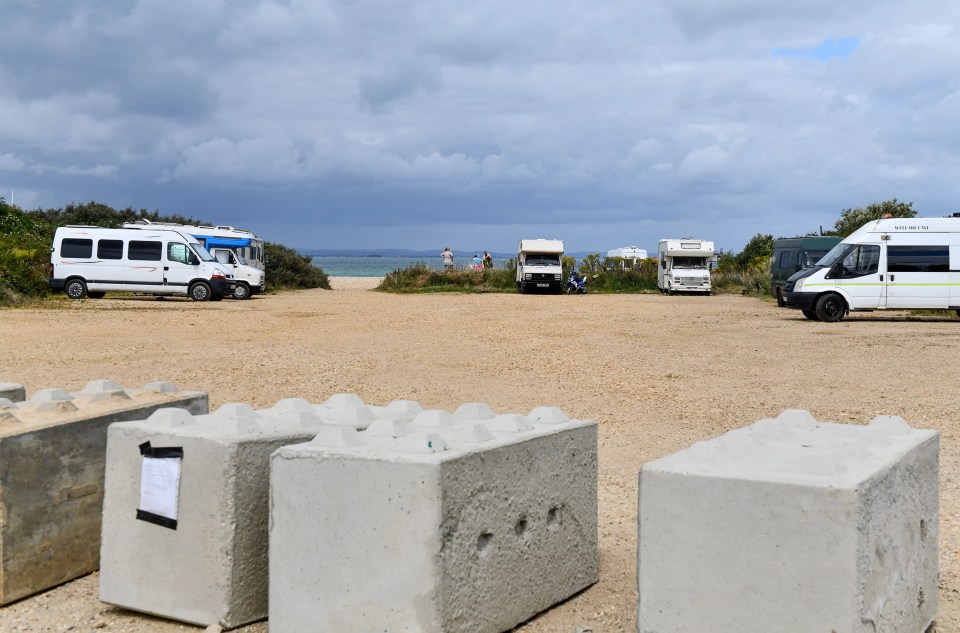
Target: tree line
26 238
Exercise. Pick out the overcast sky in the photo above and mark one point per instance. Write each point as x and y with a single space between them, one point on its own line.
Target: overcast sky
421 124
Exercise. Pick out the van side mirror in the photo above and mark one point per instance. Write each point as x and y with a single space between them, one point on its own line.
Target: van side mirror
193 261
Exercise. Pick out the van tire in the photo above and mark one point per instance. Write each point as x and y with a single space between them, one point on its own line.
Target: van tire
811 314
242 291
780 302
200 291
96 295
75 289
830 307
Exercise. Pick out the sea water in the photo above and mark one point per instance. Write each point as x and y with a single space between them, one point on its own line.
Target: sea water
381 266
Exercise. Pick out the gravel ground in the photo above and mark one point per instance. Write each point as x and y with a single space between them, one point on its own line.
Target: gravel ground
658 373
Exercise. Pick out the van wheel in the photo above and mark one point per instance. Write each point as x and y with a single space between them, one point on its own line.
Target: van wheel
242 291
76 289
200 291
96 295
780 302
830 307
811 314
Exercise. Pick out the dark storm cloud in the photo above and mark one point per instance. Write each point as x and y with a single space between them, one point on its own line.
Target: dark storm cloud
616 122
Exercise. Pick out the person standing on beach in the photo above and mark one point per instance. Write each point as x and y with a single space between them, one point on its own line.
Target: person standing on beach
487 260
447 257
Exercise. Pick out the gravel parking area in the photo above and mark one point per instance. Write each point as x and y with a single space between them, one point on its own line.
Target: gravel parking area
658 373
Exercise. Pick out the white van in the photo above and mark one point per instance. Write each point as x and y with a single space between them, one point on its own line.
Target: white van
91 261
895 263
684 265
539 266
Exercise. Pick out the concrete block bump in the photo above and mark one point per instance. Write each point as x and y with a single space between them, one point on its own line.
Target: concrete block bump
430 521
792 525
52 449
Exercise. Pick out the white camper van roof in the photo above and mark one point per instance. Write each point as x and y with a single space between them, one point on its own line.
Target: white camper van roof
908 225
628 252
686 247
541 245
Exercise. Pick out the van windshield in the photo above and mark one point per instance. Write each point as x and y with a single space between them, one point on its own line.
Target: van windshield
542 259
813 257
836 253
202 253
689 262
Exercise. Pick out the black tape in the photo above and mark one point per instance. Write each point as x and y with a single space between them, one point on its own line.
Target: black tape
150 517
160 452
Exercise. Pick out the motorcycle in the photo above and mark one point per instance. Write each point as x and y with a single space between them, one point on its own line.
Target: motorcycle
577 284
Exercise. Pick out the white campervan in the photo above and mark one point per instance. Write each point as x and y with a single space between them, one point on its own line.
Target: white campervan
91 261
684 265
230 247
894 263
539 266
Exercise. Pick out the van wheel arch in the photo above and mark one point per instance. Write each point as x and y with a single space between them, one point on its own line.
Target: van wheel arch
200 291
780 302
75 288
242 291
830 307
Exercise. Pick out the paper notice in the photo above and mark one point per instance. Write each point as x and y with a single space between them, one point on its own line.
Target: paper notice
160 489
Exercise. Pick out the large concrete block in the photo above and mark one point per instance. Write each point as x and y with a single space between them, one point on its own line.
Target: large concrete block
464 522
52 450
210 566
12 392
792 525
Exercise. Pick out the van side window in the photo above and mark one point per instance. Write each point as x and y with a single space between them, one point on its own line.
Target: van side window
73 247
177 252
145 251
861 260
918 259
110 249
785 260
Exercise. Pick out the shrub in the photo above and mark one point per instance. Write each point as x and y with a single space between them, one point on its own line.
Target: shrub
422 278
24 255
287 269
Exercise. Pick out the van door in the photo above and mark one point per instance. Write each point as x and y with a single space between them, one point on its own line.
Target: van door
955 277
144 266
859 274
918 276
180 266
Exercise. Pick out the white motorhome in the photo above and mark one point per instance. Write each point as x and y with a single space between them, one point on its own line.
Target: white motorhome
231 247
91 261
539 266
684 265
894 263
631 254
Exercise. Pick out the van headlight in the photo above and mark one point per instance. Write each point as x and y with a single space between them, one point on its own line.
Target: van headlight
798 285
527 276
218 274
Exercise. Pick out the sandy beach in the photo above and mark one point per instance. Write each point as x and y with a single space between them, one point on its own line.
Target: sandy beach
657 373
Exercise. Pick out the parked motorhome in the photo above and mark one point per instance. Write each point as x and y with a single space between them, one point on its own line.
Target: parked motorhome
230 247
895 263
684 265
91 261
628 254
792 255
539 266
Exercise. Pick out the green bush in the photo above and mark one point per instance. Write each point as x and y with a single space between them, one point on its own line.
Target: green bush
24 255
287 269
422 278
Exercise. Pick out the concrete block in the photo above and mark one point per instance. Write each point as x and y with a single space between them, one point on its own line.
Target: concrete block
464 522
209 567
12 392
52 450
792 525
